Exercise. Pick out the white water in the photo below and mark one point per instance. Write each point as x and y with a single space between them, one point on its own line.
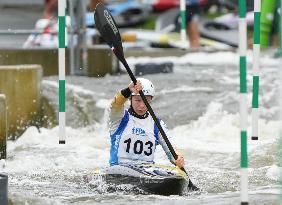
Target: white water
41 171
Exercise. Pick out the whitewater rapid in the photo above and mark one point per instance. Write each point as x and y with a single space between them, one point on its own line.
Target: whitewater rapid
199 102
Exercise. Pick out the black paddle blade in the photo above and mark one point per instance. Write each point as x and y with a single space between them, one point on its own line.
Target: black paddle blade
192 187
108 29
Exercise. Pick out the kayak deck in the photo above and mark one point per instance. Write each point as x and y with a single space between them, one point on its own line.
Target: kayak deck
154 179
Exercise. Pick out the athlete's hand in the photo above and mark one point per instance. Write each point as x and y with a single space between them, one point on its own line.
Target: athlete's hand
180 161
135 88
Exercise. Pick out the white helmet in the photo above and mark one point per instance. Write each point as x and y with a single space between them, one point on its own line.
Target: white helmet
148 87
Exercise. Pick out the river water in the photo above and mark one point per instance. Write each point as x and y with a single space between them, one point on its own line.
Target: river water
198 102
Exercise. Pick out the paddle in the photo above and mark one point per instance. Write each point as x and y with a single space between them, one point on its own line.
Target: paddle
107 27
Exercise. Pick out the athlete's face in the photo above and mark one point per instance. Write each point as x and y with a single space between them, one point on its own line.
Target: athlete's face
138 104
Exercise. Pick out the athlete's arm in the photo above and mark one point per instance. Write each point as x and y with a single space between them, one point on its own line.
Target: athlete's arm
116 111
117 105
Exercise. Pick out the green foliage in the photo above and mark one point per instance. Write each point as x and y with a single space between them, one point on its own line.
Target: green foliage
209 15
149 24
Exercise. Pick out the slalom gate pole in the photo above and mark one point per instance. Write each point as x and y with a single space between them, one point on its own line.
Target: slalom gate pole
279 51
61 61
256 68
243 100
183 21
280 29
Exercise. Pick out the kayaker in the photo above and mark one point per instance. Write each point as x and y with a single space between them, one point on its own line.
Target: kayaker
134 134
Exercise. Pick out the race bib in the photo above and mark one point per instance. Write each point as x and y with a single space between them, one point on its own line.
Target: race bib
137 145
